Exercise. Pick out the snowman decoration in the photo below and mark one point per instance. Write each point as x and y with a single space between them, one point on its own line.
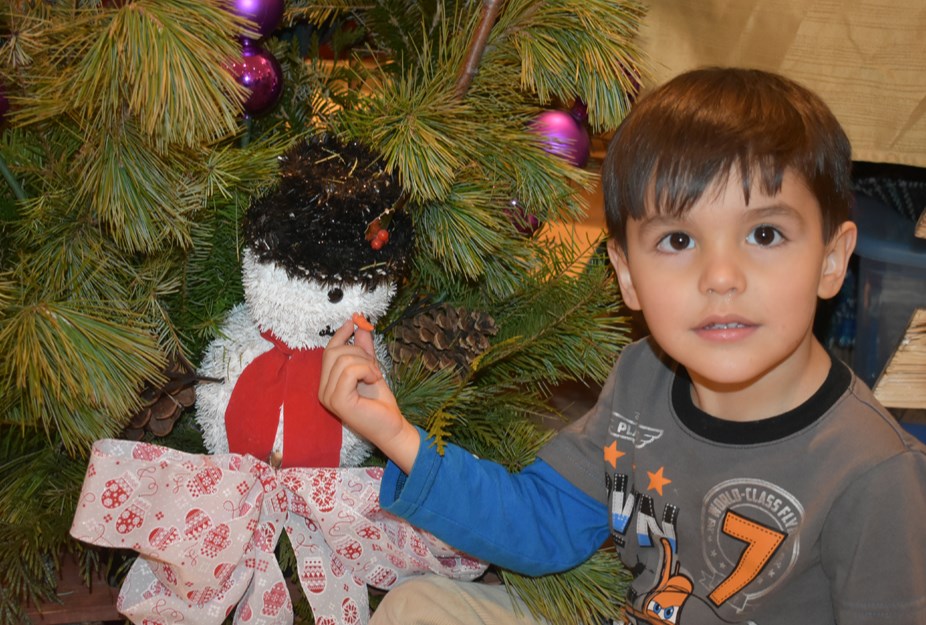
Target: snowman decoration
316 251
207 526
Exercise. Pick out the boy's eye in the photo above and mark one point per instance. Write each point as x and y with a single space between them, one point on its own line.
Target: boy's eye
765 236
675 242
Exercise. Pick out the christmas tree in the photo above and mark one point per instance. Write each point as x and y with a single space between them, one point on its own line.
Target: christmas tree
136 133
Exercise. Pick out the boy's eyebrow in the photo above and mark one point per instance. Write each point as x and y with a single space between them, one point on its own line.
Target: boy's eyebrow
659 221
776 209
773 210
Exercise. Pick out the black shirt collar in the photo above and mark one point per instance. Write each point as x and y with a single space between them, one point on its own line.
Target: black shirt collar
763 430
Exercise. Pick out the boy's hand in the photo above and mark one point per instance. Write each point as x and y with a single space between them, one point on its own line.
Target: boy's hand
352 387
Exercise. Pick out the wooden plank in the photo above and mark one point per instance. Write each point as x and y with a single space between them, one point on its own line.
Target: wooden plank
79 604
903 382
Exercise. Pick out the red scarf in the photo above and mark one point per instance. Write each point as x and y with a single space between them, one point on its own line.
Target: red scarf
286 377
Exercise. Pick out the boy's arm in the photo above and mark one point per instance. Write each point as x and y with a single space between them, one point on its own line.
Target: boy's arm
533 522
874 544
353 388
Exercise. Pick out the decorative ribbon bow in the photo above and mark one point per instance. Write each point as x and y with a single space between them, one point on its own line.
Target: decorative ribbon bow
206 528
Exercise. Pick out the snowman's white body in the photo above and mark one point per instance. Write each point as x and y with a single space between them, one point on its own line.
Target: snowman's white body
300 313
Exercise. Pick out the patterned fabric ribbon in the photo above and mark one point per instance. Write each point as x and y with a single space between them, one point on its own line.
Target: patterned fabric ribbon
206 527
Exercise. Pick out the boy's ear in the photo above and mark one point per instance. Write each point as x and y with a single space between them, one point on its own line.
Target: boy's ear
621 268
836 260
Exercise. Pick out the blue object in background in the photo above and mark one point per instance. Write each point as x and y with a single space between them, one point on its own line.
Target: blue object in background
917 429
891 283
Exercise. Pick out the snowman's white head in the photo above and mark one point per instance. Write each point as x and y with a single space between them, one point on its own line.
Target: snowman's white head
302 312
310 258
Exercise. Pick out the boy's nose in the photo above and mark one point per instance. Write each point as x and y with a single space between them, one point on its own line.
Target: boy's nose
722 274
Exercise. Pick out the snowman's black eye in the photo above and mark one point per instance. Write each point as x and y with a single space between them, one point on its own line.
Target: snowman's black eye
335 295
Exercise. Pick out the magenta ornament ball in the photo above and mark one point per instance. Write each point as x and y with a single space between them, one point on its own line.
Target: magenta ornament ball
564 136
267 14
260 72
523 221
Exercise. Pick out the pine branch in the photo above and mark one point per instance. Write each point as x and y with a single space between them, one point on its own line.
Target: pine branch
562 323
467 233
575 48
490 11
586 594
323 13
127 185
36 516
11 180
164 60
70 362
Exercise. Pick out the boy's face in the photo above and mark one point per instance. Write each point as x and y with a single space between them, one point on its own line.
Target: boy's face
730 290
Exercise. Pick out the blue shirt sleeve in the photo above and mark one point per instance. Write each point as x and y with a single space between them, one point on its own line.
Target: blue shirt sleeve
533 522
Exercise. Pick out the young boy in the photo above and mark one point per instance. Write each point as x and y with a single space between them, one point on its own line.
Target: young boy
743 473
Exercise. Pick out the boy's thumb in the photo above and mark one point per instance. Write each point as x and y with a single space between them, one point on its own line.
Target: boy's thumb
364 340
363 334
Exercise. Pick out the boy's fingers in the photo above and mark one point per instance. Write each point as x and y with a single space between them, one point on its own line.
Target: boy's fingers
361 322
338 340
337 360
362 331
342 334
364 340
349 367
349 376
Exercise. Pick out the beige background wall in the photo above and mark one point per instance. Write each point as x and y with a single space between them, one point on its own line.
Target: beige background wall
867 58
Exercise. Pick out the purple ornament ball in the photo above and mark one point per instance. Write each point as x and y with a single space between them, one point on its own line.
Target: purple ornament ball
267 14
260 72
579 111
563 136
524 222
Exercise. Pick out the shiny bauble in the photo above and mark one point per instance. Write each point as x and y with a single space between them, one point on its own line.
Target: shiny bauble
266 14
523 221
260 72
564 136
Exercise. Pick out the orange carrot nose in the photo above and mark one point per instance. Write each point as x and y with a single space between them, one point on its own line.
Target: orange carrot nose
361 322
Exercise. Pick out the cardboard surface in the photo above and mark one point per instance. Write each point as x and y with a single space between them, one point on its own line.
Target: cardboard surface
866 58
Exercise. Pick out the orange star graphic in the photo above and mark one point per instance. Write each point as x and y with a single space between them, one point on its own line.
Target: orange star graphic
611 454
657 480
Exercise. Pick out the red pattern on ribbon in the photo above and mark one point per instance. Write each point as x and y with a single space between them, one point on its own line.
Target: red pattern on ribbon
206 527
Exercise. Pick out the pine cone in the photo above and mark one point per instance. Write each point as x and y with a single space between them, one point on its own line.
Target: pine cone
442 337
162 405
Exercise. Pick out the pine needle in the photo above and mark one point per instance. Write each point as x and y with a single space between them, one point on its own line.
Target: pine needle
585 595
68 357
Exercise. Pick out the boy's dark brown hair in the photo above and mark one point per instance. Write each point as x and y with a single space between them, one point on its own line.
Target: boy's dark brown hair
693 130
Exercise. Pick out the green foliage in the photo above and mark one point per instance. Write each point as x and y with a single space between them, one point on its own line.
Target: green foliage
119 156
561 324
586 594
586 49
36 517
127 170
70 354
160 63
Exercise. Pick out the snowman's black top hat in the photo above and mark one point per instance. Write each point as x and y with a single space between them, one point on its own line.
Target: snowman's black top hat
315 224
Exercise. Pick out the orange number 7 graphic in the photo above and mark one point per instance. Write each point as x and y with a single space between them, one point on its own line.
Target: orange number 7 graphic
761 544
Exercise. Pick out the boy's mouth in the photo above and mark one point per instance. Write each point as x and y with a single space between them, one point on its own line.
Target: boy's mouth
723 326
